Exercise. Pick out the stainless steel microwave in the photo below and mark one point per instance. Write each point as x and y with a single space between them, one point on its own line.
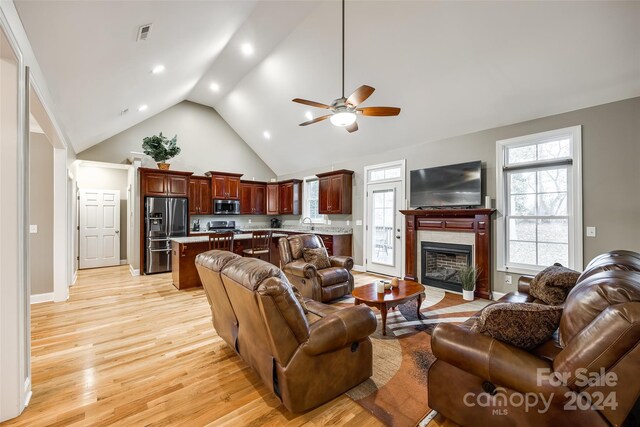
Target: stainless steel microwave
226 207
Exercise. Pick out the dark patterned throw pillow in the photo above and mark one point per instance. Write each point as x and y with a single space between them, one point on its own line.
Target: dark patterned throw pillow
552 285
524 325
317 257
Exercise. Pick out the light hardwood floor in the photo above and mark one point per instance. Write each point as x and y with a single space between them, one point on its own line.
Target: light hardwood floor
136 351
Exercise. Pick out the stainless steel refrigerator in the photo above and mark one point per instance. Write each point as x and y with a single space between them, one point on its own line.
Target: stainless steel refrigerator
165 217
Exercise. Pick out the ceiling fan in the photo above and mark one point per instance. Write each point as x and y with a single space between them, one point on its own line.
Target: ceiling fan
344 110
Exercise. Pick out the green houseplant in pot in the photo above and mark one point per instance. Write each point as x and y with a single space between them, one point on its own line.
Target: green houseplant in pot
468 277
161 149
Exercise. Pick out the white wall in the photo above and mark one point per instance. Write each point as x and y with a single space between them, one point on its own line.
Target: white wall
207 143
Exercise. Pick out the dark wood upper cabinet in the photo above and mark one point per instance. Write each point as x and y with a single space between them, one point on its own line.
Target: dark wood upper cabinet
290 197
260 199
252 197
200 195
273 199
335 192
155 182
225 185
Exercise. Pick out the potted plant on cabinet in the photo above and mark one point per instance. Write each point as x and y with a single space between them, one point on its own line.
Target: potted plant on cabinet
468 276
161 149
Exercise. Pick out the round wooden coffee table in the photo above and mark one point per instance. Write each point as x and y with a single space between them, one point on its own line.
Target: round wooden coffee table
406 291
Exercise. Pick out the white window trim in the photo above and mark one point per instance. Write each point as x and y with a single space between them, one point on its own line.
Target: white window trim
575 188
305 205
403 179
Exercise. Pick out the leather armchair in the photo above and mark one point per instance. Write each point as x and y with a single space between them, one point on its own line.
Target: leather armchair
321 285
306 357
599 332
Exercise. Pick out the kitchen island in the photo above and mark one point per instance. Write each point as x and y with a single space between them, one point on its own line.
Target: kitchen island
185 249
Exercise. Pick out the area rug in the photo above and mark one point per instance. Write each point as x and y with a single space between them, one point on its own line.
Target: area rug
396 394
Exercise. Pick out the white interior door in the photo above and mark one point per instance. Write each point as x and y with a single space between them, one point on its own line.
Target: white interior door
99 228
384 235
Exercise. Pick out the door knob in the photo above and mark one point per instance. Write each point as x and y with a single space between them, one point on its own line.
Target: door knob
397 237
117 231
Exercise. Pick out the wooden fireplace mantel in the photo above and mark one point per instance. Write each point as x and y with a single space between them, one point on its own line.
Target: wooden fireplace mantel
477 221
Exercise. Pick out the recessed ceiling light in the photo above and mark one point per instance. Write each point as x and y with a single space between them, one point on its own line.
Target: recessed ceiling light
143 107
158 69
247 49
214 87
308 115
266 134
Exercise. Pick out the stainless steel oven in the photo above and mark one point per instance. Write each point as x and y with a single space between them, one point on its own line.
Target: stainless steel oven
226 207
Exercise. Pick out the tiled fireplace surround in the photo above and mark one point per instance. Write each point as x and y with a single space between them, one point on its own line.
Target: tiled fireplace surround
454 226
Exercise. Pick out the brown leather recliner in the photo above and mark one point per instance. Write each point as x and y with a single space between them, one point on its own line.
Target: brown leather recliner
306 359
599 333
321 285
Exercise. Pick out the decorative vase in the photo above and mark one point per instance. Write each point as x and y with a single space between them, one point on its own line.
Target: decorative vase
164 166
467 295
395 282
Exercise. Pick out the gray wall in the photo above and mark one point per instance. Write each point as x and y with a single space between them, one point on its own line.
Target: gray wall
611 172
41 213
92 177
206 140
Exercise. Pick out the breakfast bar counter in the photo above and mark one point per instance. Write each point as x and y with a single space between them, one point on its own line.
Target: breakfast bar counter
185 249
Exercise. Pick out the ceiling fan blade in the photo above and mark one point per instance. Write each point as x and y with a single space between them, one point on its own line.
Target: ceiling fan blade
316 120
379 111
311 103
360 95
352 127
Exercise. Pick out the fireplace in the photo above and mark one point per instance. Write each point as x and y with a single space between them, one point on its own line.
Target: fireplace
441 262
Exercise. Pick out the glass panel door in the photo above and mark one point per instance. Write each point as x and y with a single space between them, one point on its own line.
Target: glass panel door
383 232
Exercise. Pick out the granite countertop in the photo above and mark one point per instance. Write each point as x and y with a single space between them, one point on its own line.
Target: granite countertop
323 230
205 238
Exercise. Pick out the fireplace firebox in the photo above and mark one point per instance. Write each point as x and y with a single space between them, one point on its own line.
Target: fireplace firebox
441 263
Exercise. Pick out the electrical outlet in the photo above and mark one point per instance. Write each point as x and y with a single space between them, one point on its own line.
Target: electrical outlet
33 228
508 280
328 222
591 232
249 220
348 222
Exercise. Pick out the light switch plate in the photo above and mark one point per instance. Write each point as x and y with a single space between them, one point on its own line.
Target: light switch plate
358 222
591 232
33 228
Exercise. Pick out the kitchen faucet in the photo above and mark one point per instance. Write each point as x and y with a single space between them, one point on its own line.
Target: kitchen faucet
310 222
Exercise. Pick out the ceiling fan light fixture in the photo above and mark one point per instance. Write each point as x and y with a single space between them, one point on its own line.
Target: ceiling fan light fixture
344 118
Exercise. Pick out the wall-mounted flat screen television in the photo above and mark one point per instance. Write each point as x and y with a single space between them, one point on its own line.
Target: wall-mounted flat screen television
447 186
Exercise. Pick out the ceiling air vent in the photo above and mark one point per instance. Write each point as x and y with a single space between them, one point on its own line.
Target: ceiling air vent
143 32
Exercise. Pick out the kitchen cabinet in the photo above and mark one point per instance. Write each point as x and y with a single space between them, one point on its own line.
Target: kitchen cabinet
253 198
225 185
335 192
200 195
155 182
290 197
273 199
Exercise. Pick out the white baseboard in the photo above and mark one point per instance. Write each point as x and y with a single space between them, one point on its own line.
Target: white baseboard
359 268
497 295
36 299
123 262
134 271
75 278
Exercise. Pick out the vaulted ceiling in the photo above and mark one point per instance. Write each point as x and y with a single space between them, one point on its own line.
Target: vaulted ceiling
453 67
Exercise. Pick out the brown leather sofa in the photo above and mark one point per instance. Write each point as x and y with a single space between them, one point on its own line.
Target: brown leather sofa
306 359
599 330
321 285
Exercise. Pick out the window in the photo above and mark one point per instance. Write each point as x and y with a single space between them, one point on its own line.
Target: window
539 201
311 200
385 173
